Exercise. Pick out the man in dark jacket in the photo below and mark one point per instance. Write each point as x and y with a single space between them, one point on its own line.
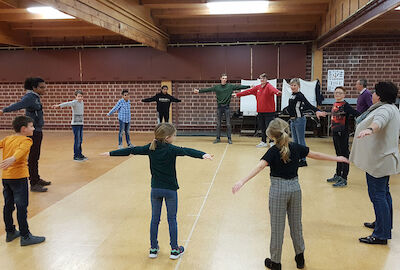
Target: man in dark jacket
33 108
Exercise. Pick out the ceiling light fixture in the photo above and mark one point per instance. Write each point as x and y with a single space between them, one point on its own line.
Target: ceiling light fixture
49 13
237 7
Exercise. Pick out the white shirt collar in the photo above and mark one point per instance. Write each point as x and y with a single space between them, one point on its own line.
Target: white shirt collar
363 91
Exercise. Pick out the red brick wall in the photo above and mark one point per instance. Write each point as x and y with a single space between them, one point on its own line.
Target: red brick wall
194 112
375 59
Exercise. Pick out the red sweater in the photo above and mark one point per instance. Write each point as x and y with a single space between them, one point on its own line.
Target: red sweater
264 96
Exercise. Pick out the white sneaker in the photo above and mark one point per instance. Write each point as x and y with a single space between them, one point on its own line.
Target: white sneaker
154 252
271 144
262 144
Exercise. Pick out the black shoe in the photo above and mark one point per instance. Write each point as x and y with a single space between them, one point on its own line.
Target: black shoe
272 265
303 163
370 225
299 258
31 240
217 140
38 188
373 240
12 235
43 183
229 141
335 179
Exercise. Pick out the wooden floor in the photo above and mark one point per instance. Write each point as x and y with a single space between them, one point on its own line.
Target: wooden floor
96 214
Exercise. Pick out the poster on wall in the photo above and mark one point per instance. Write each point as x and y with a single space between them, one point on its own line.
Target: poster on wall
335 78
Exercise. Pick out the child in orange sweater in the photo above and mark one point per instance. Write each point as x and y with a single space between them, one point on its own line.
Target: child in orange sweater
15 180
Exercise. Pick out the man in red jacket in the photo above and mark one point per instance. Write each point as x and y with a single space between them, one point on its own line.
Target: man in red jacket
265 105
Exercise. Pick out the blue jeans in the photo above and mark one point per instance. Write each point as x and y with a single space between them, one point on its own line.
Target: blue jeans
15 192
171 200
78 136
124 127
298 130
378 191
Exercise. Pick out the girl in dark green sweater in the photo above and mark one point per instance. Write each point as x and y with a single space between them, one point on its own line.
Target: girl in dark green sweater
164 185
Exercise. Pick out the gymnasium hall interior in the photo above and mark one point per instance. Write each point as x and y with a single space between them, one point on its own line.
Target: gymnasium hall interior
96 213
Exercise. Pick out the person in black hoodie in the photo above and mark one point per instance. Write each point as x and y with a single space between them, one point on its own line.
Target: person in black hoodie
33 108
298 105
163 100
341 110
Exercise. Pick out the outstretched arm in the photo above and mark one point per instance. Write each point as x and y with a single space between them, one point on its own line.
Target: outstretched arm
184 151
322 156
204 90
65 104
21 151
260 166
137 150
115 108
174 99
251 91
373 128
150 99
25 102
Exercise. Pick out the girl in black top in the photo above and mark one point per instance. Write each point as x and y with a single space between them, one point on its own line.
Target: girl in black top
163 100
298 104
285 193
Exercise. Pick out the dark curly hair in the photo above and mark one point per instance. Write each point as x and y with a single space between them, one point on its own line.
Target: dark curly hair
387 92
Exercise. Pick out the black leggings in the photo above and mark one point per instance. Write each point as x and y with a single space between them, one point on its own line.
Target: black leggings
341 142
263 122
164 115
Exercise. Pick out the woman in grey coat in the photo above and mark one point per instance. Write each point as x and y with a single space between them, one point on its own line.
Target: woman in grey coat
375 150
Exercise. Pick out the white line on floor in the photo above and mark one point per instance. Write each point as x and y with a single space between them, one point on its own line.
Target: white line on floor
202 206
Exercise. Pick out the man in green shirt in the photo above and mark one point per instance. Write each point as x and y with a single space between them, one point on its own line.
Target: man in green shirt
223 93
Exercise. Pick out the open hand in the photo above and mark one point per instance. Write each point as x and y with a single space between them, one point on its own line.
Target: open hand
365 132
234 95
54 106
196 91
343 159
320 113
208 156
237 187
7 163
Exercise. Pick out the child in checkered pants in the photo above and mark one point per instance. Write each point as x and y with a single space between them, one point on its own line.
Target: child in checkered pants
285 193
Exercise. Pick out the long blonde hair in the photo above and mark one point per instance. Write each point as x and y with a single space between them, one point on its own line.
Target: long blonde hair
161 132
278 130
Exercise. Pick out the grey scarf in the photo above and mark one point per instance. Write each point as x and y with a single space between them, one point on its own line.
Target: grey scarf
367 112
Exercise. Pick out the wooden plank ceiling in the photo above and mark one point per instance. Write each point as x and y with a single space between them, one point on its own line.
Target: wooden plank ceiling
157 22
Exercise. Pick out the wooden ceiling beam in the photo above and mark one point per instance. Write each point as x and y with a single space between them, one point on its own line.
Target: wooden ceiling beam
10 37
277 9
368 13
160 4
18 17
71 33
118 16
10 3
229 20
242 29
